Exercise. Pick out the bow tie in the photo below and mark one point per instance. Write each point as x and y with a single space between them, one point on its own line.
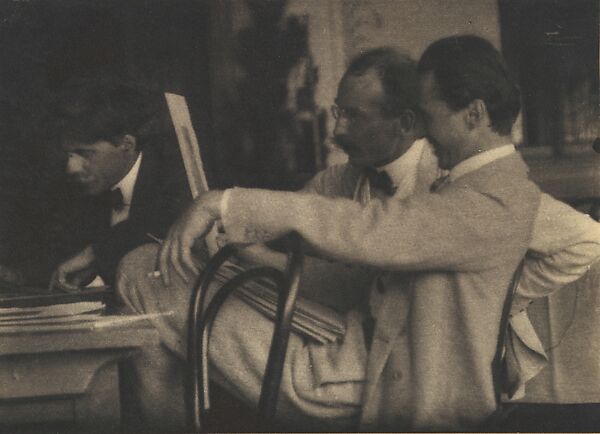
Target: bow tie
381 181
116 199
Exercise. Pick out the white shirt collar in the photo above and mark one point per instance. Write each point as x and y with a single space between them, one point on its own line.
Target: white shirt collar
477 161
128 182
403 170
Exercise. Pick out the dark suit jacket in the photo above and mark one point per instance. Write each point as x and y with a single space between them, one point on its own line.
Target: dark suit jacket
160 193
65 221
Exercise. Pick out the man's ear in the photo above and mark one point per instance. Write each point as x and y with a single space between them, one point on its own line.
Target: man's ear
406 122
476 113
128 143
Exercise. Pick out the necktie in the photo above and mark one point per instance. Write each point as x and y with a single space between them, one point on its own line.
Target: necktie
116 199
381 181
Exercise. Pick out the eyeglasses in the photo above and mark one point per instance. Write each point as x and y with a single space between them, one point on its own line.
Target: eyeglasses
352 115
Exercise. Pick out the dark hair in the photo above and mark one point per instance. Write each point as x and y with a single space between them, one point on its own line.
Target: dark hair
92 109
468 67
398 75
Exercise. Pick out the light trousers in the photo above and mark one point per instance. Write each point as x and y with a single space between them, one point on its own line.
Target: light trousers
321 387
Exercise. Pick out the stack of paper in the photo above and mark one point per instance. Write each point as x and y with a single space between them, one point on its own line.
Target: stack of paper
31 296
68 316
310 319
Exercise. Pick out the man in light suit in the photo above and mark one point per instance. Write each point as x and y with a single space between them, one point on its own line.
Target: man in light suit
374 132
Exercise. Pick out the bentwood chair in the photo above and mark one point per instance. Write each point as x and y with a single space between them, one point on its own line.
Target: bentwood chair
201 318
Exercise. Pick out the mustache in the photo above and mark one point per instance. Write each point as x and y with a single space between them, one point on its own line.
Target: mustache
343 142
79 180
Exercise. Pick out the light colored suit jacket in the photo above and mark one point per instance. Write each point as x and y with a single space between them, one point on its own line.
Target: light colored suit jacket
564 245
430 364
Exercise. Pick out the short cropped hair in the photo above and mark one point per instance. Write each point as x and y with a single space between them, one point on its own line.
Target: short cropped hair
88 110
468 67
398 75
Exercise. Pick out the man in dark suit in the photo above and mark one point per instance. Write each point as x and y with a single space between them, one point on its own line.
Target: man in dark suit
129 184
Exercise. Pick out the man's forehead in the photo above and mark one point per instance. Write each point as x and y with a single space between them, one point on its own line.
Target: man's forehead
72 145
360 89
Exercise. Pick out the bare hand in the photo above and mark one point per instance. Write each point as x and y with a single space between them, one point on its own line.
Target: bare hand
195 222
72 274
214 240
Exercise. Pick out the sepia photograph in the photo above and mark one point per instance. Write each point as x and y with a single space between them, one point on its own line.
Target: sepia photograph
299 216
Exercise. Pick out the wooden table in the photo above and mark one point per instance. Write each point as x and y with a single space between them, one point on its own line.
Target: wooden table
66 377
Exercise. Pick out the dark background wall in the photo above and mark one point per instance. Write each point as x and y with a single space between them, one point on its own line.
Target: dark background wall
43 44
235 79
232 60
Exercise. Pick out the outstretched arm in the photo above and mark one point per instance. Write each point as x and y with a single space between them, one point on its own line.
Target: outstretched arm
448 231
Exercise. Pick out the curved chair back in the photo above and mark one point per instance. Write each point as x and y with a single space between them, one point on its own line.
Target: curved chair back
283 323
201 319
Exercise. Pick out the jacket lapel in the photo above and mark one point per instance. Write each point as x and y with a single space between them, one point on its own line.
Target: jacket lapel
393 317
391 321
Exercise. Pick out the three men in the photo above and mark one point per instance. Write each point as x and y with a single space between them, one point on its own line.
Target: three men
444 259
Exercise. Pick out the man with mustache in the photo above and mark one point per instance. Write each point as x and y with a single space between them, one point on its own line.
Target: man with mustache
444 259
116 159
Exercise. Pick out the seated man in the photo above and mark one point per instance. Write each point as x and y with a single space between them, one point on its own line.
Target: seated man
444 259
129 186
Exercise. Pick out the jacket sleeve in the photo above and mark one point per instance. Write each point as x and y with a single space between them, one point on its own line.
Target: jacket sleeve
335 181
564 246
462 229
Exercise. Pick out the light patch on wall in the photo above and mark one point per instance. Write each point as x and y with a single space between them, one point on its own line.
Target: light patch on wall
412 25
